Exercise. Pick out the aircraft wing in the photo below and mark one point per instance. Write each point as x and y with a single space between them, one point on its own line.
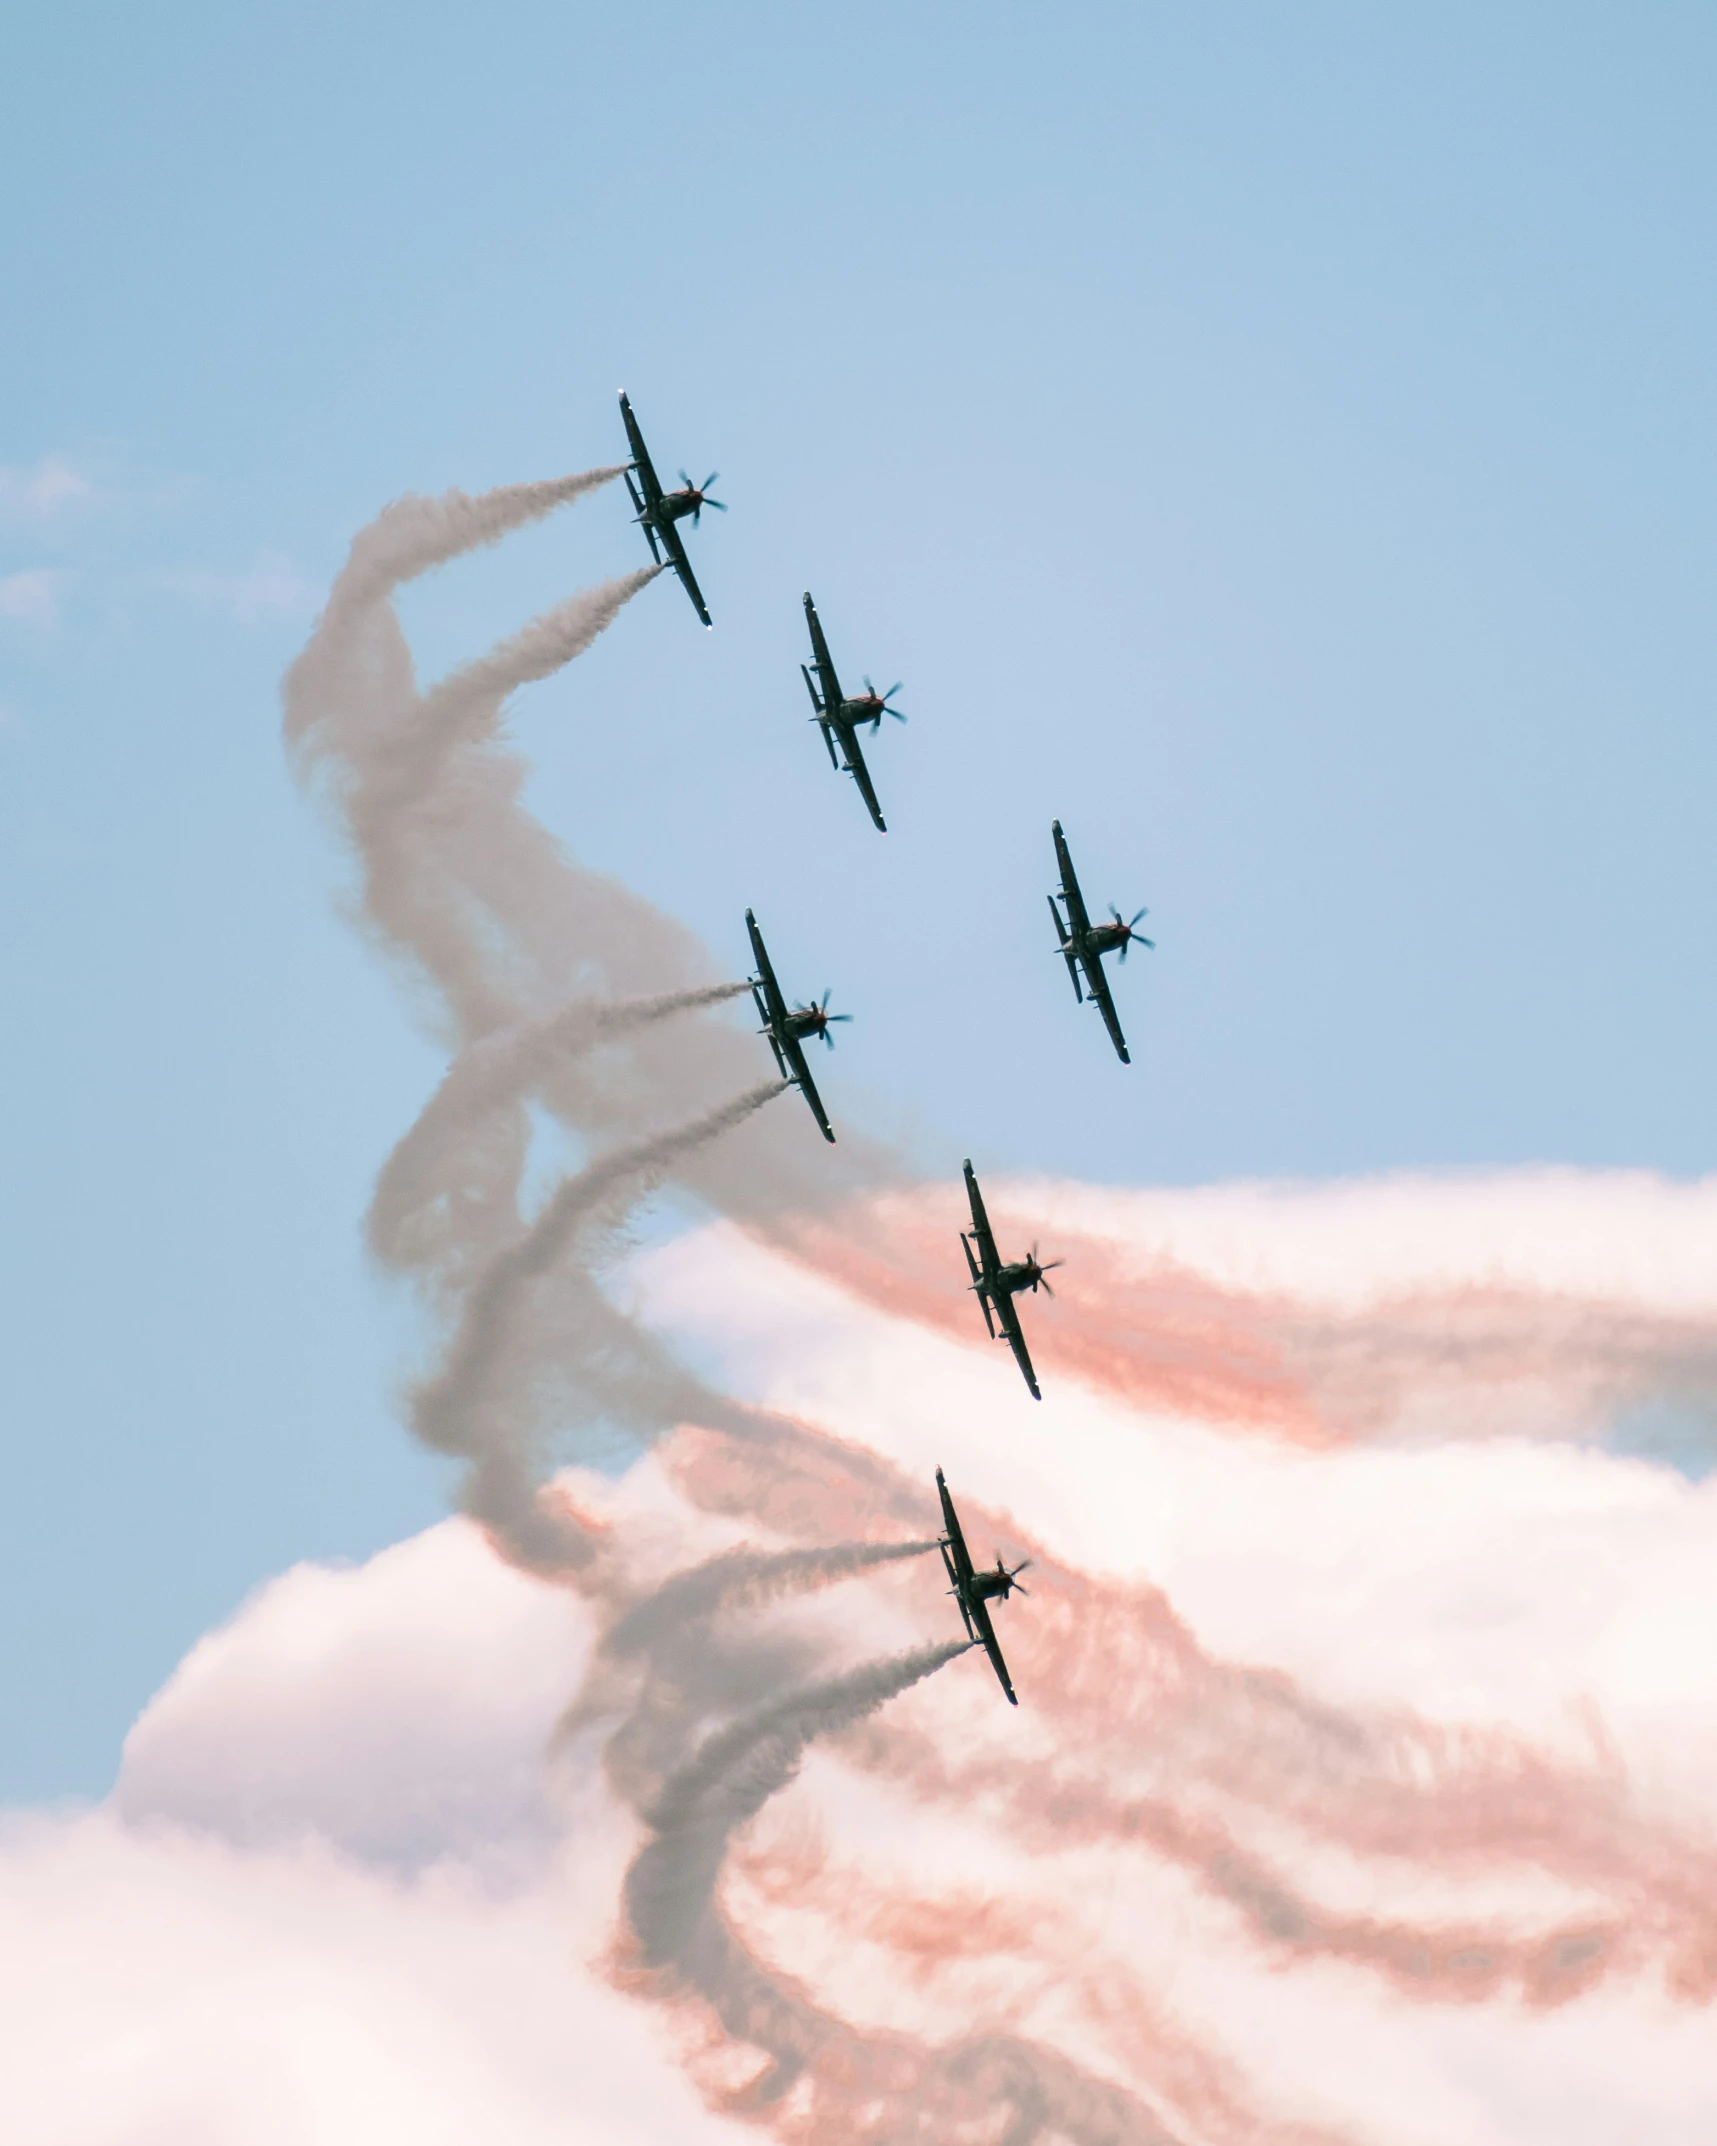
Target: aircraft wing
861 774
956 1556
820 656
770 1004
648 481
789 1052
981 1226
1097 978
1077 920
669 533
986 1633
1008 1313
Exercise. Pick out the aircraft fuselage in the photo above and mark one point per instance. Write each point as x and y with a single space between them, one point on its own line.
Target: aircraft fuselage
808 1021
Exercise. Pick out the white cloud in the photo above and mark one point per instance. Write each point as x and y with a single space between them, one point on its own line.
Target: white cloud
274 588
33 597
49 488
341 1893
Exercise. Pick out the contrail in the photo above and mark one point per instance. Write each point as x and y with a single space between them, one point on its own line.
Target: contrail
730 1778
497 1071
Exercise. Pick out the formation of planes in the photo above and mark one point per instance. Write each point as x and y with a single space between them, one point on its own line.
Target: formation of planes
789 1027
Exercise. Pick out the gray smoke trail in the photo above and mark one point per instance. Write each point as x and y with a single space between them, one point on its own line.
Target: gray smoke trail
481 1403
729 1779
745 1579
428 1178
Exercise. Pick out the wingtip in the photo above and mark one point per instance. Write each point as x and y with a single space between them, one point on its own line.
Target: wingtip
828 1136
1013 1696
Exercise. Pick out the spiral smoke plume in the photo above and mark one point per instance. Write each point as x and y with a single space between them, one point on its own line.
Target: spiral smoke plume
820 1984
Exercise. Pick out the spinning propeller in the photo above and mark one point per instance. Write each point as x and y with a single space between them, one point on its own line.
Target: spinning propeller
882 700
700 495
1128 934
1040 1273
820 1007
1010 1575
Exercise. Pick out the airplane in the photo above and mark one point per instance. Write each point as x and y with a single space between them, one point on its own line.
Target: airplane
840 716
787 1027
1083 944
658 511
997 1285
973 1590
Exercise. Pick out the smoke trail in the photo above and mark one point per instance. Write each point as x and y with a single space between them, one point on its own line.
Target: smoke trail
424 1169
746 1579
728 1780
414 534
465 708
479 1404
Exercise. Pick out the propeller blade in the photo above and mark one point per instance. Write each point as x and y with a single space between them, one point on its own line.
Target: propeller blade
1140 913
894 689
719 505
895 712
713 478
828 1040
823 1002
687 482
839 1016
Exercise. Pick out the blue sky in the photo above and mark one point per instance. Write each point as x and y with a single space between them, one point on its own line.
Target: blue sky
1278 442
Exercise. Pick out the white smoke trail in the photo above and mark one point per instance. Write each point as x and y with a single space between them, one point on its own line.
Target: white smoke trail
465 708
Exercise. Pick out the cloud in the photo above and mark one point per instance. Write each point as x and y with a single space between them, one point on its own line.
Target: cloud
274 588
33 597
47 489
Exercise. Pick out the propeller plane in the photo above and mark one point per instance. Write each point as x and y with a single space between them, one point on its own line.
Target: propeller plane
1083 944
997 1283
789 1028
840 715
659 512
975 1591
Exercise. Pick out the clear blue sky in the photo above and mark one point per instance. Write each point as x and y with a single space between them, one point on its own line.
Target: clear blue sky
1277 440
